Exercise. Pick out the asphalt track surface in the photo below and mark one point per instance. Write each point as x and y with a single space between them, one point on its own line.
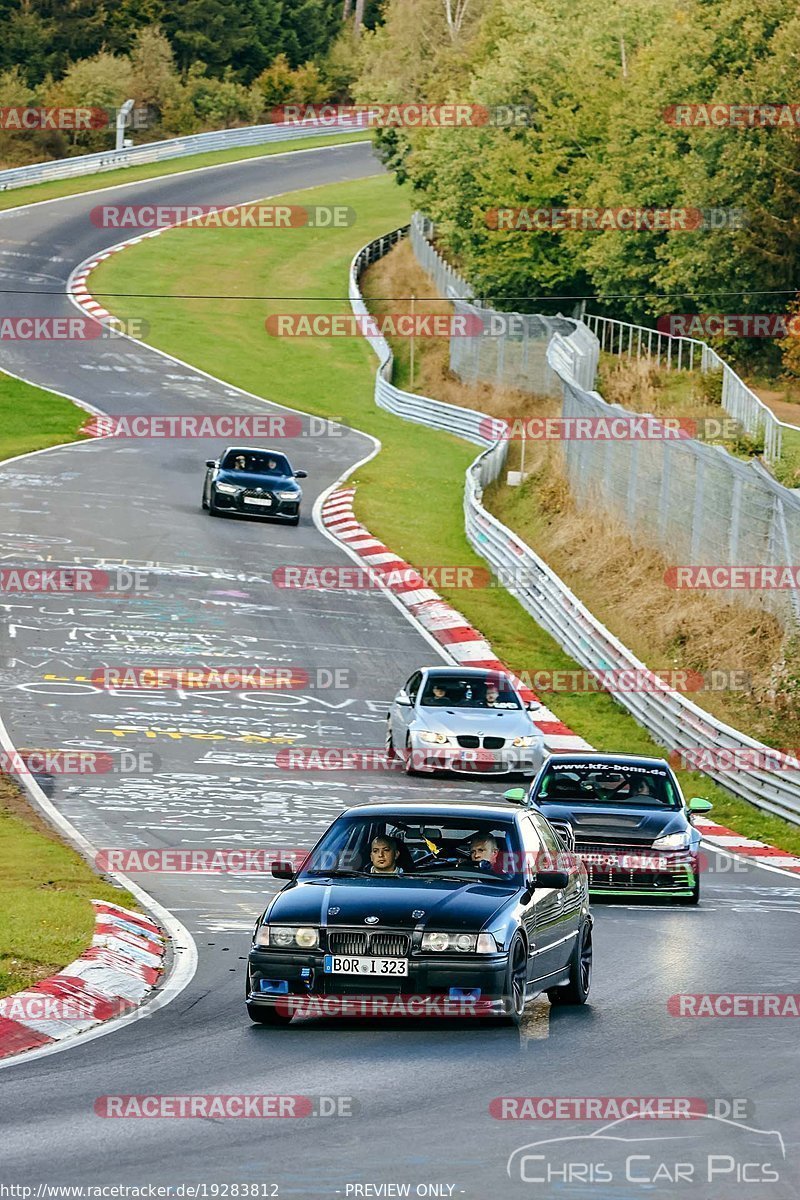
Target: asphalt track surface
420 1090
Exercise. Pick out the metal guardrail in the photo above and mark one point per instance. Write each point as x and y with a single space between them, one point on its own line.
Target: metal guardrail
154 152
672 719
677 353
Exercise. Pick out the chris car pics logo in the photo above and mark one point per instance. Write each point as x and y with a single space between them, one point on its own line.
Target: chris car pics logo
703 1155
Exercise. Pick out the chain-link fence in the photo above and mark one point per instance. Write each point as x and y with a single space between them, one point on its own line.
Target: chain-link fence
698 504
673 353
511 351
695 502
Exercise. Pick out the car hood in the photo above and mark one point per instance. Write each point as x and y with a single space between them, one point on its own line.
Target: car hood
502 722
249 479
620 823
437 903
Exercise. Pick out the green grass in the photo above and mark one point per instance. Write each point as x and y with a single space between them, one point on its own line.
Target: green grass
411 495
32 419
46 889
103 179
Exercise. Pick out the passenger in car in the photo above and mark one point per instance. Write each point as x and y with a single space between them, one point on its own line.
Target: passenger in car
384 852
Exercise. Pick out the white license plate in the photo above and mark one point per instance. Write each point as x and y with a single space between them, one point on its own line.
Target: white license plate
352 964
265 503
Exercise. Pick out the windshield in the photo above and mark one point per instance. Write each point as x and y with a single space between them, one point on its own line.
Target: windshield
258 464
608 783
469 691
408 845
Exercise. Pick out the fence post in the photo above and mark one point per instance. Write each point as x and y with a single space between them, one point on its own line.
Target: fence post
698 512
736 513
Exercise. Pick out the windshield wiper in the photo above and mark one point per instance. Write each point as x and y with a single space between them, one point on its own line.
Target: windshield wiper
467 877
336 874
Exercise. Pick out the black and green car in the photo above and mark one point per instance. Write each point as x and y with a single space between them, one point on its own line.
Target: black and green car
626 818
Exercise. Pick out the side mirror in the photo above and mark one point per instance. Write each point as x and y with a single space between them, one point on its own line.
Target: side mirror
282 870
301 474
516 795
210 462
532 705
551 879
403 697
698 805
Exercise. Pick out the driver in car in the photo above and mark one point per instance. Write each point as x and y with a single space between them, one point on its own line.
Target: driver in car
239 463
383 854
484 853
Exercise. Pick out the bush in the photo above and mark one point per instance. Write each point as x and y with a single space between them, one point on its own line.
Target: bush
709 387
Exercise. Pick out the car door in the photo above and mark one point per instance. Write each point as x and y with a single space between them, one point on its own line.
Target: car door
403 714
537 917
547 906
568 902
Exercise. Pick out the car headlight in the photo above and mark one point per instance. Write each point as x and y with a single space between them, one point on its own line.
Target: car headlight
672 841
434 739
287 936
227 488
288 495
529 739
463 943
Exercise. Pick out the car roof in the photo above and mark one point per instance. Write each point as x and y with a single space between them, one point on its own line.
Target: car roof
470 810
456 672
253 450
622 760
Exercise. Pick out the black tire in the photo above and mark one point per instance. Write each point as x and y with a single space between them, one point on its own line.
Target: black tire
268 1016
391 753
408 760
695 896
294 520
516 982
210 507
205 506
580 972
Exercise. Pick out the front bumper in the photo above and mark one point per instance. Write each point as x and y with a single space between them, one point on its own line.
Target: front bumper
235 505
509 760
304 977
645 872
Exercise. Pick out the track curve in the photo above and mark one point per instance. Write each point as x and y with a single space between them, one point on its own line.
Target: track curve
423 1091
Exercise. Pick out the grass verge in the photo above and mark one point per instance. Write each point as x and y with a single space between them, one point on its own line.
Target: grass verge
32 419
103 179
46 918
411 495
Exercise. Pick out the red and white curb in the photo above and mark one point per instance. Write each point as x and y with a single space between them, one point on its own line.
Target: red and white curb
727 839
464 644
113 976
77 288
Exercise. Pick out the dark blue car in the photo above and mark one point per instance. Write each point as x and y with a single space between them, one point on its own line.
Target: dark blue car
251 482
436 900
